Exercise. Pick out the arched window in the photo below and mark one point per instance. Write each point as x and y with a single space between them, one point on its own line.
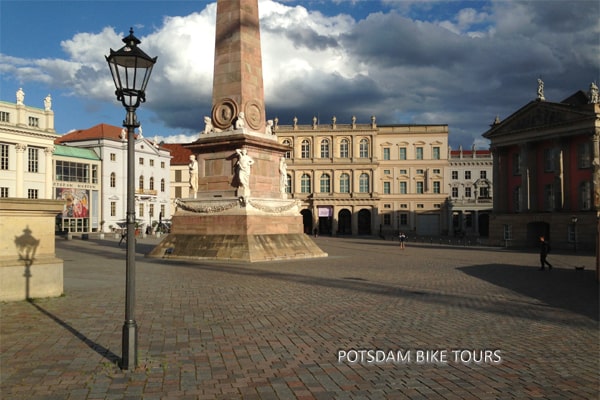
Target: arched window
305 183
325 183
287 142
363 148
363 183
325 148
305 149
344 183
151 183
113 180
344 148
141 182
288 188
162 185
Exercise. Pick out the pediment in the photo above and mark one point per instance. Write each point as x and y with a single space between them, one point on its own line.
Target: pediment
538 115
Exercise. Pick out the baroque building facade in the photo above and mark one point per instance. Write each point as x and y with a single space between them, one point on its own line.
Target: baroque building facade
547 172
152 170
26 146
470 188
367 179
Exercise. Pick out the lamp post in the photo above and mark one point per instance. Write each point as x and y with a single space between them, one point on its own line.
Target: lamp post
574 221
130 68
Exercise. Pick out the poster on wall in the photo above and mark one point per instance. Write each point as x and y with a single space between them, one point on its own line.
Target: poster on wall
76 202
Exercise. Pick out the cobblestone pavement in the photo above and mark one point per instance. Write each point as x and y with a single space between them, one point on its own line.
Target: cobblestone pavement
276 330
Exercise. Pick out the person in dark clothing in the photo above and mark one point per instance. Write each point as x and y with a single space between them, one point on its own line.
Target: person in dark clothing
544 250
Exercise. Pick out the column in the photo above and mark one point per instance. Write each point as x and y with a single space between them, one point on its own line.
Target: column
48 151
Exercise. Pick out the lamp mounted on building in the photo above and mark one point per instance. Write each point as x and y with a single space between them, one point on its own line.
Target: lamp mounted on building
130 68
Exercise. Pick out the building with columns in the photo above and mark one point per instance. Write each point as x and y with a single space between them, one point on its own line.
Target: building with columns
547 172
367 179
152 169
470 187
26 145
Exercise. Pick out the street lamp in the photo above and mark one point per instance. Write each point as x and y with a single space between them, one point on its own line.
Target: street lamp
574 221
130 68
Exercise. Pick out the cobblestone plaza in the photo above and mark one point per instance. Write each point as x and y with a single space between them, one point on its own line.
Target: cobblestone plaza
311 329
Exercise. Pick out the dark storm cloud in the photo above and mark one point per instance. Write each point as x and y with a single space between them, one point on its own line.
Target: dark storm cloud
303 37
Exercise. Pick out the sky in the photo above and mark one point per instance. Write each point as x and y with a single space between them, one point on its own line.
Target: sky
460 63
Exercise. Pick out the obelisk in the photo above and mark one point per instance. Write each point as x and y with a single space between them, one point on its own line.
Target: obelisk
241 210
238 77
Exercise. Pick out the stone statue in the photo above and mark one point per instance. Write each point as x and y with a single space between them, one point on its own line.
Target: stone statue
140 134
20 97
269 127
48 103
594 93
282 175
123 134
208 126
540 91
193 166
240 122
243 165
353 120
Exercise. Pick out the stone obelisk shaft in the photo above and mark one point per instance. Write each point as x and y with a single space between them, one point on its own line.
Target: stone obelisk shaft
238 78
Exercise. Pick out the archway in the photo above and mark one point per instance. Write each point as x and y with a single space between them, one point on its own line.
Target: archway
364 222
344 222
484 225
307 221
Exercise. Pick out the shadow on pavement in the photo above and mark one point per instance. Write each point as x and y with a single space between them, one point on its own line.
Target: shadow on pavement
569 289
103 351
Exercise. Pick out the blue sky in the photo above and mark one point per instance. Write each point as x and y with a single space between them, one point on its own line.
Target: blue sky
459 63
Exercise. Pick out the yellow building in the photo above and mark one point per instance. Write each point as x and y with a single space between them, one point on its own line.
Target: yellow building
365 179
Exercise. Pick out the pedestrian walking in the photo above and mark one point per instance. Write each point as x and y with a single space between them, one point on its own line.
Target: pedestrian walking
544 250
402 238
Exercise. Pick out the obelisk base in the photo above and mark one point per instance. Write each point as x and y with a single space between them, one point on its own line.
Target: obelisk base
248 230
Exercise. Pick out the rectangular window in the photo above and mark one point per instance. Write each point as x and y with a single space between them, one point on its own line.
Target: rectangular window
507 232
94 173
403 171
3 157
435 153
178 174
403 219
402 154
113 209
386 153
141 162
151 210
33 161
419 153
387 206
420 205
584 156
483 174
177 192
4 116
455 192
387 219
162 210
141 210
419 172
468 192
151 162
3 192
467 174
34 122
403 189
436 187
437 171
420 187
387 188
32 193
386 172
68 171
162 164
404 205
113 157
455 175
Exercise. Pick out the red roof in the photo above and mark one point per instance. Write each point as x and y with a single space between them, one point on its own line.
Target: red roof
101 131
180 155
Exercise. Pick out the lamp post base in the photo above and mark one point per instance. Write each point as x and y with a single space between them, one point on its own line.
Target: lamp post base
129 359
